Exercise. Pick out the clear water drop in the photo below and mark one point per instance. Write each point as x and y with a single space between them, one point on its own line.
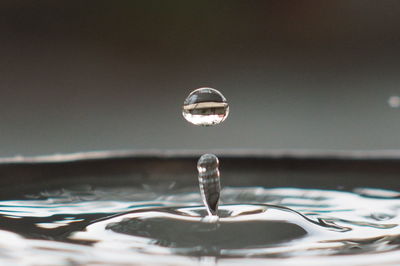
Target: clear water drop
394 101
205 107
209 181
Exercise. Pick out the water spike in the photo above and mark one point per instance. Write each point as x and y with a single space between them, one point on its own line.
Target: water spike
209 182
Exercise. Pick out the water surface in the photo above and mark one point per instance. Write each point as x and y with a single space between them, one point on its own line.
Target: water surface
162 224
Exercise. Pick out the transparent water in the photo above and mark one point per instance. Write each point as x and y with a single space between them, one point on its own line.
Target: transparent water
209 182
205 107
165 225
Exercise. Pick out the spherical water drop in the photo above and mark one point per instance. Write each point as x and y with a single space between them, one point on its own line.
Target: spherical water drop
394 101
205 107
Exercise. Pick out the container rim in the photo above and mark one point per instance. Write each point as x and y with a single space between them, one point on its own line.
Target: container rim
302 154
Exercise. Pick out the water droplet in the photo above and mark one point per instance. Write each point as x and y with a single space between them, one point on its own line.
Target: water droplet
210 187
205 107
394 101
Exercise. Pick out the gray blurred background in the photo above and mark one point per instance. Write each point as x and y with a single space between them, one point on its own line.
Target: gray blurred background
99 75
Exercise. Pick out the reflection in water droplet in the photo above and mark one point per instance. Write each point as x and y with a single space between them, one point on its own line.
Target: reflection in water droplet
205 107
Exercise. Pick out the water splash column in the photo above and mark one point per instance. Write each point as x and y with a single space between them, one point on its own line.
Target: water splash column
209 182
207 107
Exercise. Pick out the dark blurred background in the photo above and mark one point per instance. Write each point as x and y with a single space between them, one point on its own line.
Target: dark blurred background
99 75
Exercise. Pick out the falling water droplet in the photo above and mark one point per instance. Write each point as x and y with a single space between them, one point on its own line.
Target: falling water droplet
205 107
394 101
209 182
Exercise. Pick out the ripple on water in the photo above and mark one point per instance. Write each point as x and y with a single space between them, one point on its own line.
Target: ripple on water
119 225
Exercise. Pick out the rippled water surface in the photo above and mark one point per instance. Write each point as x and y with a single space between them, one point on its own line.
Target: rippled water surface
163 225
